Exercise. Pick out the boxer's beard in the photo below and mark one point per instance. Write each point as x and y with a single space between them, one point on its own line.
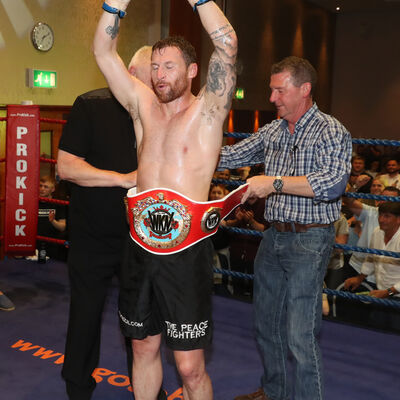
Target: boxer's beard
176 90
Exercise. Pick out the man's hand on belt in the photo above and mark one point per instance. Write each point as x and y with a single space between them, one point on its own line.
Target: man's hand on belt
259 186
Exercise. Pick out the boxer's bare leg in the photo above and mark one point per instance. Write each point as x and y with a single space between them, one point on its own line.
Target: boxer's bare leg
191 368
147 368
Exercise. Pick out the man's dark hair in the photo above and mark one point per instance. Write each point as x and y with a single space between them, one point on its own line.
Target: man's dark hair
188 51
300 69
389 207
391 159
392 189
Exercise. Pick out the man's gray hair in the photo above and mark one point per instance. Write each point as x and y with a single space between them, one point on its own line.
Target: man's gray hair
300 69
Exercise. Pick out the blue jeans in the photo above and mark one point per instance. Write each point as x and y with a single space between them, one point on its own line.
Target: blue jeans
288 276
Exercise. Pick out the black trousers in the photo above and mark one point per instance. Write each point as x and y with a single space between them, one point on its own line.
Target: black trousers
90 275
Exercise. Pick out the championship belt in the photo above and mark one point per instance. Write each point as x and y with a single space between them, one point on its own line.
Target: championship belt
163 221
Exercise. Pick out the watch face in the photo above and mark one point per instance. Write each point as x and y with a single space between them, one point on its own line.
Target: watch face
42 37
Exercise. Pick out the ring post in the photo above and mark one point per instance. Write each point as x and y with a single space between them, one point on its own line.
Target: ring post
22 179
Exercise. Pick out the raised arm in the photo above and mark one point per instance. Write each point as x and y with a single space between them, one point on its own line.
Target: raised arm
121 83
221 76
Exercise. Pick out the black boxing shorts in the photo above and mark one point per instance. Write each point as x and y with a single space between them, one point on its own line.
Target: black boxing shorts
168 294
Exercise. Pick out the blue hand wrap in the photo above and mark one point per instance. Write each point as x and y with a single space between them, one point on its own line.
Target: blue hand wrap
199 3
113 10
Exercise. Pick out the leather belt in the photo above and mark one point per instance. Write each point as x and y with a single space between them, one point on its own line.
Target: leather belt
295 227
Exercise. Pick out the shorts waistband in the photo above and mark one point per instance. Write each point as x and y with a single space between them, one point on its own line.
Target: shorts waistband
295 227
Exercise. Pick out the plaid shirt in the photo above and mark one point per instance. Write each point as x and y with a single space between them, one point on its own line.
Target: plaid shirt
320 149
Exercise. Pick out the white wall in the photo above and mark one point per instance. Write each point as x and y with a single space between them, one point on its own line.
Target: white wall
73 23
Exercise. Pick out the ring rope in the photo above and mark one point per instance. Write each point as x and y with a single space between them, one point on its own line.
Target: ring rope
54 201
47 160
58 121
383 142
53 240
338 246
329 292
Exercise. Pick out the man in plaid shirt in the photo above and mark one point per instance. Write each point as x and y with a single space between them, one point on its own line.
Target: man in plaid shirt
307 164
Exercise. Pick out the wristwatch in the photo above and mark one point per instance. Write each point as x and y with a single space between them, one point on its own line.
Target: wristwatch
390 292
278 184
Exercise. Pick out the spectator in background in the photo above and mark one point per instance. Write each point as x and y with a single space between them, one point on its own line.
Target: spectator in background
357 169
386 269
374 168
392 176
220 241
223 174
51 219
243 248
370 153
368 216
241 173
336 261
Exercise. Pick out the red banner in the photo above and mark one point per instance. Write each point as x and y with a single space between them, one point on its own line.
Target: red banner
22 179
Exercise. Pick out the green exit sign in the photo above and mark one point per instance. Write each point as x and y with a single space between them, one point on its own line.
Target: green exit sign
38 78
239 94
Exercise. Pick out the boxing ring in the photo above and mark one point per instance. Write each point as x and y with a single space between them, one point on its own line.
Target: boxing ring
18 234
34 347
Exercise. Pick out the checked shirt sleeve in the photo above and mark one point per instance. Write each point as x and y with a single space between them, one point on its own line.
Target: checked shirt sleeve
333 156
249 151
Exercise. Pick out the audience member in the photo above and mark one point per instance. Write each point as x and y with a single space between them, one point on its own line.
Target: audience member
357 169
337 259
377 188
368 215
243 247
370 153
386 269
392 175
241 173
220 241
51 219
223 174
374 168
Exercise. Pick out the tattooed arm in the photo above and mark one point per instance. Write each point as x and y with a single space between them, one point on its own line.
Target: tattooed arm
221 76
121 83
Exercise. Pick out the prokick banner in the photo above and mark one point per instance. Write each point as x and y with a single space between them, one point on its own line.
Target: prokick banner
22 179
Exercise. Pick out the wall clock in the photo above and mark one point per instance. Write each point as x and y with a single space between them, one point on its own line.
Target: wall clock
42 37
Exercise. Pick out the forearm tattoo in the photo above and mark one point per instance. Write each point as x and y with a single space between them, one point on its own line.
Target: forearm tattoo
113 30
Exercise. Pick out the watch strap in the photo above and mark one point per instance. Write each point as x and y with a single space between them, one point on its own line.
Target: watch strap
113 10
390 292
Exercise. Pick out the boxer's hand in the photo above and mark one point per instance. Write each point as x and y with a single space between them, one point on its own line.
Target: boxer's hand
260 186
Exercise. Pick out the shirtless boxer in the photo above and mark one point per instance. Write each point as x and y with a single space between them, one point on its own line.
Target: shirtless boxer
179 136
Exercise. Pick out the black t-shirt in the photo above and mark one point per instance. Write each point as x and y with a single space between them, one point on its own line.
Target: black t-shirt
101 131
45 227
